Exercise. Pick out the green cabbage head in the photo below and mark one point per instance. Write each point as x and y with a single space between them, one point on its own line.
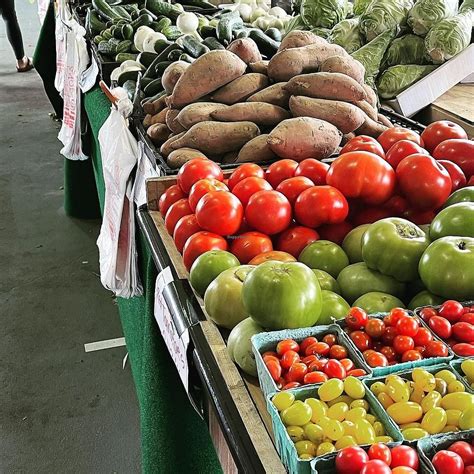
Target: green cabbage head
323 13
347 34
321 32
360 6
409 49
426 13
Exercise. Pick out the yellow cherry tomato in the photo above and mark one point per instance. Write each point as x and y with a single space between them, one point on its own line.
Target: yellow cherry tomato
410 425
330 389
349 428
341 399
355 414
453 417
456 386
283 400
384 439
441 386
334 430
466 420
411 434
397 388
385 399
297 414
379 429
450 429
306 457
431 400
318 408
467 367
405 412
344 442
314 433
364 432
370 418
434 420
338 411
446 375
417 394
457 401
325 448
378 387
423 379
354 387
296 433
360 404
305 447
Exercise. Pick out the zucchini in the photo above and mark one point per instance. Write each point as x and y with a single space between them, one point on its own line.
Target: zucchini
172 32
123 13
192 46
105 11
187 58
163 56
142 20
153 88
121 57
208 32
163 23
158 7
124 46
266 45
98 39
273 33
228 23
175 54
95 23
212 43
160 45
130 86
127 76
160 68
144 11
145 58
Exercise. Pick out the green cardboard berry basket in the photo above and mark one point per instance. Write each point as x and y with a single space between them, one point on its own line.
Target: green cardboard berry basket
285 446
456 365
403 366
267 341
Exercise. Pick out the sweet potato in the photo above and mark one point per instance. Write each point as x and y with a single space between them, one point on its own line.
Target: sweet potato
297 38
160 117
384 120
347 138
274 94
371 96
371 127
166 149
172 122
291 62
158 133
246 49
240 89
260 66
198 112
171 75
217 138
326 85
155 106
367 108
256 150
304 137
346 117
178 157
147 120
205 75
261 113
344 65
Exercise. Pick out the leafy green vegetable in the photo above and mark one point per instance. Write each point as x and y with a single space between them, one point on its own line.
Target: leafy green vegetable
324 13
322 32
449 37
409 49
384 15
296 23
347 34
398 78
371 54
468 7
427 13
349 10
360 6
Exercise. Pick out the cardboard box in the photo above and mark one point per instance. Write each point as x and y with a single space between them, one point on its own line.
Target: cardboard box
427 90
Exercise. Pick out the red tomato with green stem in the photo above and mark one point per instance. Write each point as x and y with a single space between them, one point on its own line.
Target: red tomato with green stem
170 196
184 228
245 171
313 169
248 245
402 149
456 174
293 187
202 187
295 239
246 188
335 232
393 135
280 170
459 151
175 212
199 243
194 170
363 143
437 132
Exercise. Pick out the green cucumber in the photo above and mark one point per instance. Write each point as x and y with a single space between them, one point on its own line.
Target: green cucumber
187 58
117 32
121 57
145 81
163 23
127 76
158 7
160 45
160 67
153 88
163 56
145 11
98 39
172 33
192 46
105 11
266 45
122 12
273 33
228 23
242 33
208 32
145 58
212 43
198 4
106 34
93 22
142 20
106 47
127 32
124 46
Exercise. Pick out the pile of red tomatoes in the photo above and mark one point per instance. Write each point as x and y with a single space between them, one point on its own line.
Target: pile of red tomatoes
458 458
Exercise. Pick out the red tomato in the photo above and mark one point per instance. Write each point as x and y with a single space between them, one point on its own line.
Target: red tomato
289 358
404 456
337 352
199 243
274 368
401 150
419 217
313 169
175 212
335 232
370 215
169 197
291 385
315 377
273 255
330 339
427 313
293 187
183 229
375 328
393 135
463 332
356 373
458 178
363 143
280 170
465 450
194 170
463 349
317 365
447 462
411 355
319 348
376 466
305 343
356 319
423 181
467 318
437 132
202 187
380 451
269 354
396 314
376 359
389 353
268 212
458 151
297 372
451 310
389 335
361 340
245 171
347 364
295 239
440 326
397 205
468 469
220 212
287 345
361 174
422 337
321 205
247 187
407 326
351 460
335 370
250 244
436 349
402 344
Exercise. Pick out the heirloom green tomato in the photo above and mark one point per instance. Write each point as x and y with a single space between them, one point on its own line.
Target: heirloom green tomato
461 195
326 281
357 280
424 298
447 268
377 302
282 295
394 246
334 306
324 255
457 219
352 243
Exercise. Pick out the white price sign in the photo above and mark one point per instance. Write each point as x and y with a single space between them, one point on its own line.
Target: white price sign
177 345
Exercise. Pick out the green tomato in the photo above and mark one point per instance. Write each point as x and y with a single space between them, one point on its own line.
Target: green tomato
424 298
326 281
455 220
223 297
334 307
357 280
239 345
282 295
324 255
394 246
377 302
447 268
208 266
352 243
461 195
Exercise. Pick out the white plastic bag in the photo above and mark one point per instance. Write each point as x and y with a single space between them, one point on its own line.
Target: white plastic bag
145 169
62 16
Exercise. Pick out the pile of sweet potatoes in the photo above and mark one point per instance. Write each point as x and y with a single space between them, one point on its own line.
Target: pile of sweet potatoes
232 107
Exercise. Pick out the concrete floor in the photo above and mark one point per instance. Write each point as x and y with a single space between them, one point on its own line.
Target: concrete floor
61 410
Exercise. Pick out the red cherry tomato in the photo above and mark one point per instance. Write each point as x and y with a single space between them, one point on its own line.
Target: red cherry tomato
293 187
404 456
288 359
309 359
465 450
317 365
451 310
315 377
335 232
402 344
375 328
427 313
248 245
376 466
287 345
458 151
393 135
467 318
175 212
330 339
170 196
440 326
389 335
280 170
356 373
402 149
202 187
247 187
463 349
458 178
194 170
403 470
436 349
422 337
320 348
411 355
183 229
437 132
313 169
347 364
297 372
351 460
447 462
199 243
306 342
389 353
334 369
357 318
376 359
463 332
337 352
244 171
380 451
274 368
268 212
295 239
291 385
396 314
363 143
407 326
361 340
